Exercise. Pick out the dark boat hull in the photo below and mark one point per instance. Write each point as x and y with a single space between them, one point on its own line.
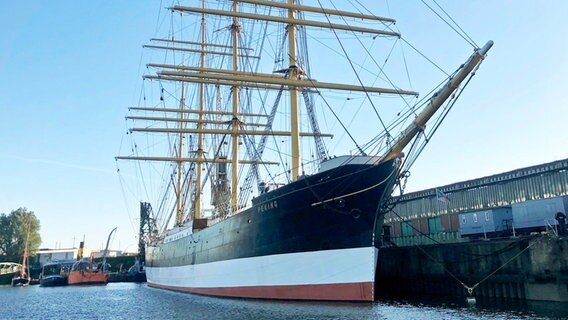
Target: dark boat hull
6 278
53 281
312 239
20 281
127 277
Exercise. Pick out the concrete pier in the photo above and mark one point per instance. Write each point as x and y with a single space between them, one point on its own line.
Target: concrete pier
532 268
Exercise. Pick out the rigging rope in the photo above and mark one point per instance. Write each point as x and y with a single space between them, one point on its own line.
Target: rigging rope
464 36
410 108
355 71
337 118
441 119
405 41
377 64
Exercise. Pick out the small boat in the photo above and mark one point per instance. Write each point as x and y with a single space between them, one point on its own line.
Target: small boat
21 280
136 273
24 278
55 273
84 272
8 270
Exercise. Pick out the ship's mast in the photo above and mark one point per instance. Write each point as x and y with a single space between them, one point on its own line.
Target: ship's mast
179 201
235 122
235 78
25 258
294 116
197 204
436 102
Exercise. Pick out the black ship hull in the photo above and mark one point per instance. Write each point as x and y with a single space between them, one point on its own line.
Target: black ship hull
53 281
316 238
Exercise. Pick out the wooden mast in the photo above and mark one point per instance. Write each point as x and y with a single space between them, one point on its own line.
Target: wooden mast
294 115
294 81
301 22
25 258
176 110
255 80
436 102
235 131
298 7
179 204
197 205
198 51
224 131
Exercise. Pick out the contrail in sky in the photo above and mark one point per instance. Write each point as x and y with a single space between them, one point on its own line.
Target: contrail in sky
58 163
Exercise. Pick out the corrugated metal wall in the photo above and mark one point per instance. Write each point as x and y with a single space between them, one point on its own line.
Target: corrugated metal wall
531 183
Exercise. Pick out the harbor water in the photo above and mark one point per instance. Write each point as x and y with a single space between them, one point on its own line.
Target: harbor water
138 301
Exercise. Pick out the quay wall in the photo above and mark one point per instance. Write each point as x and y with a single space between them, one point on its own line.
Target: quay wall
531 268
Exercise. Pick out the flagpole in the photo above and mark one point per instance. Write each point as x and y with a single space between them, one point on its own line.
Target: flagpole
441 196
437 203
449 219
438 208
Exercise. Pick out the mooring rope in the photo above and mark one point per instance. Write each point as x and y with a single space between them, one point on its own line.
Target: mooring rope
468 288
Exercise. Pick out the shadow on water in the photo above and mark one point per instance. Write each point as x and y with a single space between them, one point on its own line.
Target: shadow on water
484 308
138 301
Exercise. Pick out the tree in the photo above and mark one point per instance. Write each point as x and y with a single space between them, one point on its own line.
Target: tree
13 232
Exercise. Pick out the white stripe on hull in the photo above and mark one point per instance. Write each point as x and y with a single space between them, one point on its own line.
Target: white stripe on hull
328 267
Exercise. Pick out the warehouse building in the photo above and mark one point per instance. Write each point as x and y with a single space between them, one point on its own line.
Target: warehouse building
507 204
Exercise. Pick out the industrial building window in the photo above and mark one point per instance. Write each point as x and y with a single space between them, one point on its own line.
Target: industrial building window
406 228
434 225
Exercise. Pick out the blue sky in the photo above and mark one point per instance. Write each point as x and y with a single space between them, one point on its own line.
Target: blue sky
69 71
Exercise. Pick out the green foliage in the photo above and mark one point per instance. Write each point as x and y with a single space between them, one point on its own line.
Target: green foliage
14 232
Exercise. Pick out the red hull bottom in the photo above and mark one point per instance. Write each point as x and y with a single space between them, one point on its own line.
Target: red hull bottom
362 291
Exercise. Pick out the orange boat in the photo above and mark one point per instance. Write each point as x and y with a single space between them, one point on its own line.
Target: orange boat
83 272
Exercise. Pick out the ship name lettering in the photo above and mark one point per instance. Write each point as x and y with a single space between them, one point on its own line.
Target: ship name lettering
267 206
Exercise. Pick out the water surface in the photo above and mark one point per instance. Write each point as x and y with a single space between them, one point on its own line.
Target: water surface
138 301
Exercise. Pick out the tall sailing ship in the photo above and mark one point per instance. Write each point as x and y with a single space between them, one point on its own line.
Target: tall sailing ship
260 207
